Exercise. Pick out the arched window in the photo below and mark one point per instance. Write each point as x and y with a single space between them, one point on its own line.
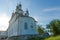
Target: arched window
31 26
25 26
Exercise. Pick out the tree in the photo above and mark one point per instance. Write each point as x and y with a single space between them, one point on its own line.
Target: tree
54 26
40 29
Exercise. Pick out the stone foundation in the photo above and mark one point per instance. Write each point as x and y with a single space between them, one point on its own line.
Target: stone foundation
21 37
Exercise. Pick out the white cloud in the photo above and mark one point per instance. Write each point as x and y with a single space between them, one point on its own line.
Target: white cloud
4 19
50 9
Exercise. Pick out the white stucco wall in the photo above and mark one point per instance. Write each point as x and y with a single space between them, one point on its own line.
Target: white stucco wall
30 22
16 27
13 27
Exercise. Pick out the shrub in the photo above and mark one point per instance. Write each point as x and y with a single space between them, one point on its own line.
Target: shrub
35 38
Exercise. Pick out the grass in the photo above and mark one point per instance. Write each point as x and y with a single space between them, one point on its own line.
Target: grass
53 38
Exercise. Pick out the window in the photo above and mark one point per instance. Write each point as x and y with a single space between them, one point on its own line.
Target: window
31 26
25 26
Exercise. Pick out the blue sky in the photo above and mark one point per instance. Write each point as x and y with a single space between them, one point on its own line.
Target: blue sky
42 10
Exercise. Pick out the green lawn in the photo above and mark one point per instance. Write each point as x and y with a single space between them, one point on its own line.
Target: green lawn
53 38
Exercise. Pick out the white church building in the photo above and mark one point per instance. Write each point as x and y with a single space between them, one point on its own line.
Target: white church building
21 25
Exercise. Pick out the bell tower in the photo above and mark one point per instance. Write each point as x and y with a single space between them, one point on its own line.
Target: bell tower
19 9
27 12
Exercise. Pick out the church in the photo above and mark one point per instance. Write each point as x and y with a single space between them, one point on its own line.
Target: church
21 25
